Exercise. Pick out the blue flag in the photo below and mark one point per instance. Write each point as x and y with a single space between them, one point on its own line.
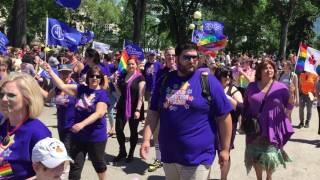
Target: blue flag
213 27
134 50
3 43
59 33
86 38
73 4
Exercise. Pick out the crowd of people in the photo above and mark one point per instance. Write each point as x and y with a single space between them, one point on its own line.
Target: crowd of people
196 104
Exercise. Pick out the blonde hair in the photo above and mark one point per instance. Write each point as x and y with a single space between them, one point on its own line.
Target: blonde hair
29 89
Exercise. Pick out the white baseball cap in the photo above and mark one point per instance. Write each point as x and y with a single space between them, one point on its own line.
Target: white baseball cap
50 152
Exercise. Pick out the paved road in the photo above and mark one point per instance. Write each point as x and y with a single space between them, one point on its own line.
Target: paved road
301 149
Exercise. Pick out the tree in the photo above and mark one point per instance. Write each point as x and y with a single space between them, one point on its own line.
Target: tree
139 9
18 25
177 15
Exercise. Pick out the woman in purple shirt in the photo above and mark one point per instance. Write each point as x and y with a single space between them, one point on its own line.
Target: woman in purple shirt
265 151
21 103
89 129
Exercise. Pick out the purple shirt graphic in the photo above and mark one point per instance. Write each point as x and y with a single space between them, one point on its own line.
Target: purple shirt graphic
18 152
187 128
87 100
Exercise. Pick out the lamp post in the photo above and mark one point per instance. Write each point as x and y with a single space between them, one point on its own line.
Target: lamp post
197 23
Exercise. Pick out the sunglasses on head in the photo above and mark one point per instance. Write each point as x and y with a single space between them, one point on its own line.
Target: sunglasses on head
189 57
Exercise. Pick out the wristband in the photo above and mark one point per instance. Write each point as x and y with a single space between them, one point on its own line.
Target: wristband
138 110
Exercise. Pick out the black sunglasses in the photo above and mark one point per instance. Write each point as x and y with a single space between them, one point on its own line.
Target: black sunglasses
95 76
9 95
189 57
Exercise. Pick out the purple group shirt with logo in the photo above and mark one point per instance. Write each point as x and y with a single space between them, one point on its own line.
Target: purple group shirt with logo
187 121
87 100
18 152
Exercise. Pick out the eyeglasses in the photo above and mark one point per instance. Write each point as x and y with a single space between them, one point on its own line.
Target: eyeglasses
10 96
189 57
95 76
3 70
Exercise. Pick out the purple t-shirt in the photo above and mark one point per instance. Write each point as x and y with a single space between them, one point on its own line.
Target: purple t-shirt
17 154
65 109
273 119
87 100
187 128
150 72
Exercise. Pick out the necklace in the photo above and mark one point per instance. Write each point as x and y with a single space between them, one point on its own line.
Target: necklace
6 140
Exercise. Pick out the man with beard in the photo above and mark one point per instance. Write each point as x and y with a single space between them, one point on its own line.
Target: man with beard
189 121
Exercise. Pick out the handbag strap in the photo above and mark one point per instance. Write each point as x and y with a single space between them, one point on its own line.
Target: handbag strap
264 98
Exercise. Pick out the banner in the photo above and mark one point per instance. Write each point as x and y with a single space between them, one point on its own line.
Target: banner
308 60
210 38
213 27
3 43
101 47
59 33
134 50
73 4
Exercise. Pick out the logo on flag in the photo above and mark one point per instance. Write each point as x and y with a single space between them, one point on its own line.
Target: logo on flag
134 50
59 33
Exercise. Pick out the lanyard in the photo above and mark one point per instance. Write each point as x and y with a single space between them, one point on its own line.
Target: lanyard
6 140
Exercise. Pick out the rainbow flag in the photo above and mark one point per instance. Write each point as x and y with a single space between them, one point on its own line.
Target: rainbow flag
5 170
122 67
214 46
308 60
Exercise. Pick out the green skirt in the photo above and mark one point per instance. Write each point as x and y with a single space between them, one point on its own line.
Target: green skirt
266 155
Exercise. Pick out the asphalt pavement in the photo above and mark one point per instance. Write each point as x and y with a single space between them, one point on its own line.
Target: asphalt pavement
302 149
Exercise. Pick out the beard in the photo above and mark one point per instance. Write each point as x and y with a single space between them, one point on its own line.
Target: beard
186 69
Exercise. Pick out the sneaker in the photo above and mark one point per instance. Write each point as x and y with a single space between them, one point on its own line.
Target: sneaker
300 126
306 125
155 165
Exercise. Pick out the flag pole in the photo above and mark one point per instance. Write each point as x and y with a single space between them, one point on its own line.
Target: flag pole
46 42
298 54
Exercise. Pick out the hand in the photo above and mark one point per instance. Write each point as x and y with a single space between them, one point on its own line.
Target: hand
77 127
224 157
45 66
136 115
144 149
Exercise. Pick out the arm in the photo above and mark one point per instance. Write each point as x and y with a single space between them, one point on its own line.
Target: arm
250 77
225 131
150 125
101 109
70 89
142 86
106 83
296 93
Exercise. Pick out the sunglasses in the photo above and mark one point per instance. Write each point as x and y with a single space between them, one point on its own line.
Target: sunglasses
189 57
95 76
10 96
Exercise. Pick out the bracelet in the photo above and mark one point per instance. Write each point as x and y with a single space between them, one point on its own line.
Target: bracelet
138 110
